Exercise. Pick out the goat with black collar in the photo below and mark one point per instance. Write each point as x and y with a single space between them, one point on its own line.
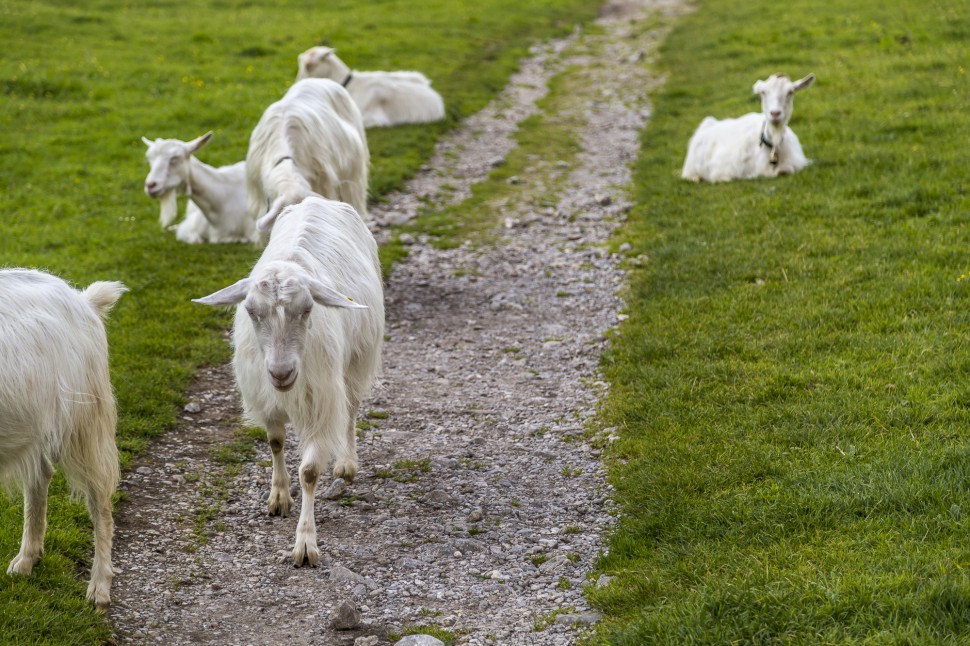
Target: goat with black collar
754 145
384 98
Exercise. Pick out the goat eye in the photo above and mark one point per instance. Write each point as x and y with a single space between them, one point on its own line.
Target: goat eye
306 312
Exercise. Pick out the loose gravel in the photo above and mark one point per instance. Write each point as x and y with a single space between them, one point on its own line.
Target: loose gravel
481 505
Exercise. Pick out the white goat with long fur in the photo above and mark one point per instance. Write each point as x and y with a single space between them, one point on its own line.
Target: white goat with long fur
384 98
217 210
310 141
305 352
755 145
56 405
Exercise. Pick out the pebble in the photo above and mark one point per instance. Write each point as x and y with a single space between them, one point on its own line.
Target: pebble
419 640
340 573
345 617
582 619
336 489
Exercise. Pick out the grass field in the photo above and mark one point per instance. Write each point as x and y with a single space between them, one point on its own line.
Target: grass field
80 83
792 383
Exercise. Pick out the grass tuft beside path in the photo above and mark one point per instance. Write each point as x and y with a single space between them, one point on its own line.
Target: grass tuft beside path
791 386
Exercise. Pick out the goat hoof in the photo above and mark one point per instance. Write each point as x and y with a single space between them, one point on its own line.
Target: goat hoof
20 565
279 505
345 469
99 597
306 553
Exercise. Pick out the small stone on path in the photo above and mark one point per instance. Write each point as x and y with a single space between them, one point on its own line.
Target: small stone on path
345 617
420 640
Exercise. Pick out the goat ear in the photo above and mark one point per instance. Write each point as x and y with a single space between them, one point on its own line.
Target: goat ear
148 142
323 52
232 295
331 297
265 223
804 83
759 87
195 144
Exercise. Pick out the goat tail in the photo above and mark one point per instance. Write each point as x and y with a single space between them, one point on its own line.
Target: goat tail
103 294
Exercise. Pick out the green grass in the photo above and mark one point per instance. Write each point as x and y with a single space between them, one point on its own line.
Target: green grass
81 83
406 470
791 384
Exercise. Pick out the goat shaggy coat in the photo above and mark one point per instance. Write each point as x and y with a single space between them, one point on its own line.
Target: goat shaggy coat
56 406
754 145
384 98
217 210
308 333
310 141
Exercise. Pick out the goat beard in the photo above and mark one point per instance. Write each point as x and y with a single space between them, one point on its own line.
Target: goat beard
168 204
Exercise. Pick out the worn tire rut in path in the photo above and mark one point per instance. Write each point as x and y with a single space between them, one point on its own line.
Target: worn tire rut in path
481 505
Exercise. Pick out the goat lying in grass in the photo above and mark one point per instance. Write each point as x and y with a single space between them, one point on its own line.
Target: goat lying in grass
217 210
755 145
310 141
56 405
384 98
304 351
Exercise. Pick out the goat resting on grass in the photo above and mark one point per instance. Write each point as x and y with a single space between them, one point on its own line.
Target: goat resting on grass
56 405
310 141
305 351
217 210
755 145
384 98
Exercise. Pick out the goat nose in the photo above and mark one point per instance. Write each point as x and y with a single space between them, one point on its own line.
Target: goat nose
150 185
775 114
281 375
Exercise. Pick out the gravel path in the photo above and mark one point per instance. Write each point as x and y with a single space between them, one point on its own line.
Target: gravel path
480 508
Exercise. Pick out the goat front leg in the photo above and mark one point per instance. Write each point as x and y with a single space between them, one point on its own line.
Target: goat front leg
279 493
346 464
305 549
35 519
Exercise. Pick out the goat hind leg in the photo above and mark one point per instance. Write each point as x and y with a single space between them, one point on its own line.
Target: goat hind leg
35 518
99 507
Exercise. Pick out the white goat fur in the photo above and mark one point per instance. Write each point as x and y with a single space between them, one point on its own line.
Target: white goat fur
384 98
304 363
744 148
56 406
310 141
217 210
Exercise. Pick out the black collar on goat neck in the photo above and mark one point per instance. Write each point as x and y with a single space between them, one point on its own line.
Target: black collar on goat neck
773 155
350 77
281 160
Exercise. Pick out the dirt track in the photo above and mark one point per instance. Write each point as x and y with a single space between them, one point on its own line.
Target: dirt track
480 507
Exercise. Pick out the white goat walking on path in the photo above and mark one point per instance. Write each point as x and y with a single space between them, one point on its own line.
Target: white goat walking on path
217 210
56 406
308 332
310 141
755 145
384 98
